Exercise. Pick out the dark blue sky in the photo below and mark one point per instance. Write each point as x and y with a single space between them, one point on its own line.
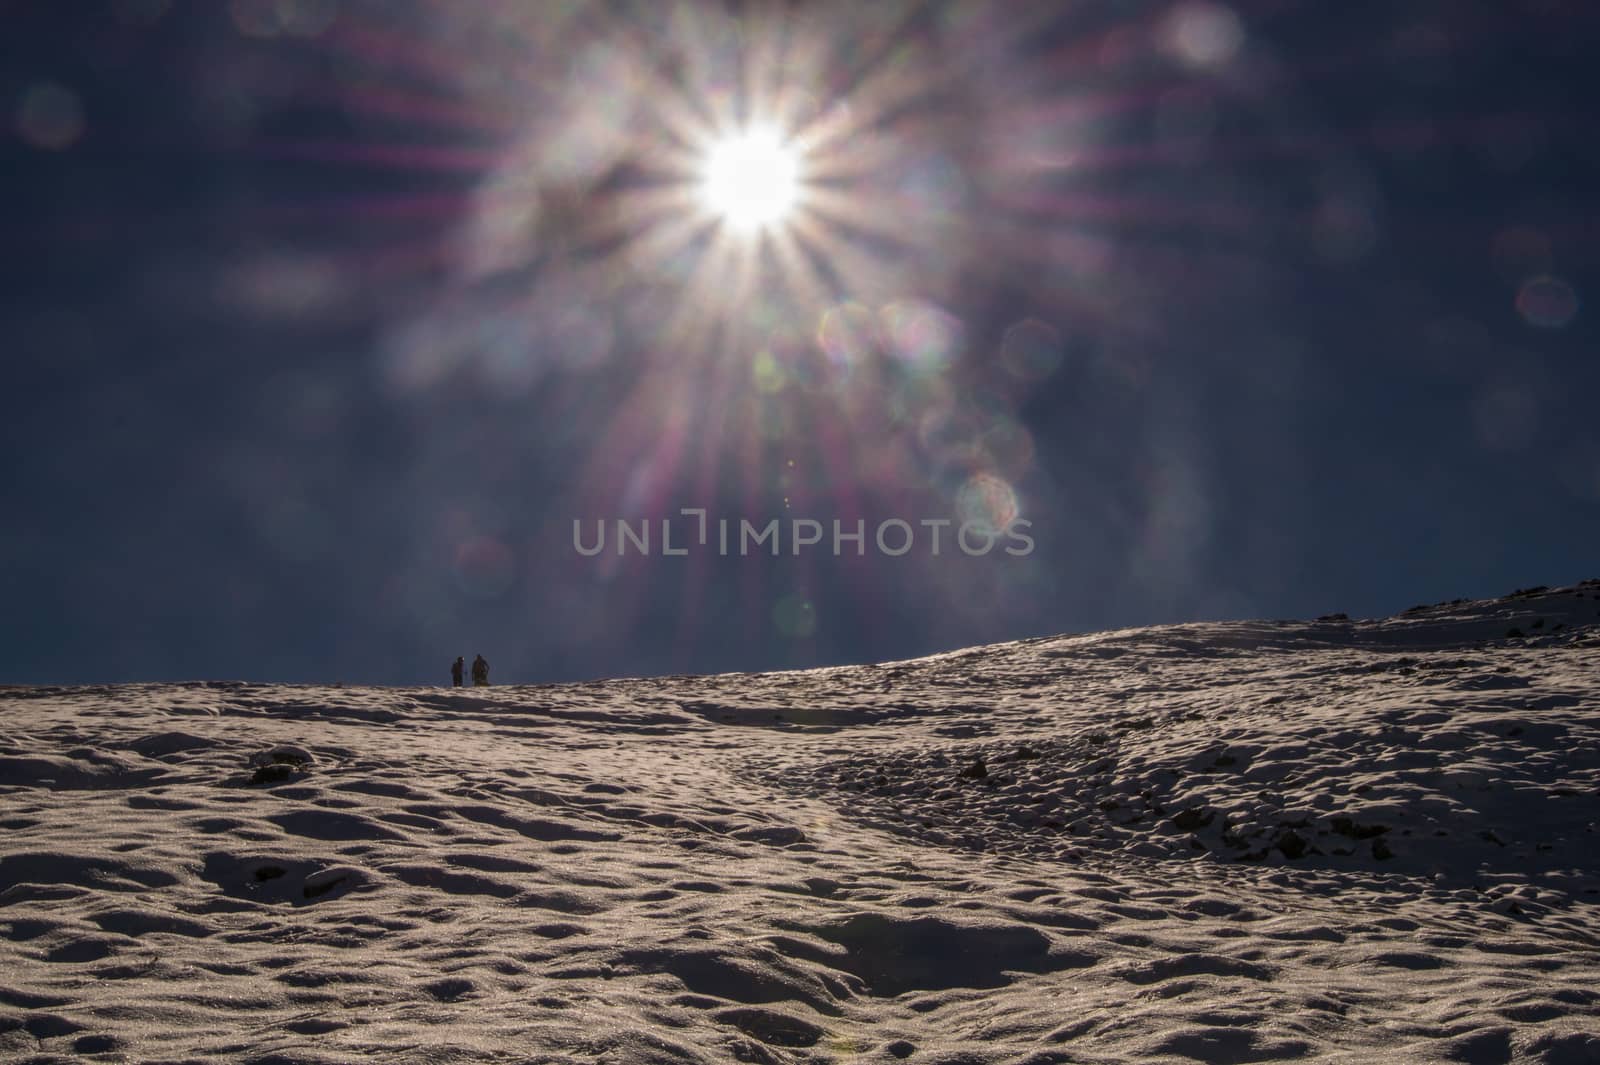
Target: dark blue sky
323 320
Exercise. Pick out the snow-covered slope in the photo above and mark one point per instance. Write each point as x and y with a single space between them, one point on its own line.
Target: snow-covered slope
1327 841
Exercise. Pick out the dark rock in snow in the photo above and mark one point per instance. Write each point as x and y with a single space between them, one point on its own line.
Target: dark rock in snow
1291 844
276 773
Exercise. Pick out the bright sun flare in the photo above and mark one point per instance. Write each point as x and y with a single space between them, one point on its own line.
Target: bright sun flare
751 178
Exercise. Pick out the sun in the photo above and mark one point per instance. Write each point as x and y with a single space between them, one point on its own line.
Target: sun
751 178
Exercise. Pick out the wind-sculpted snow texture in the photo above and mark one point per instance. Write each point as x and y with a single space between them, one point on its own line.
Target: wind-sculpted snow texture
1368 841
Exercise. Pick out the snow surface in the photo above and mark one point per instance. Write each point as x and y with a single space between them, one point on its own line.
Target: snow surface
1363 841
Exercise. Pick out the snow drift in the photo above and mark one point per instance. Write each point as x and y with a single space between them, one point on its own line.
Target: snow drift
1313 841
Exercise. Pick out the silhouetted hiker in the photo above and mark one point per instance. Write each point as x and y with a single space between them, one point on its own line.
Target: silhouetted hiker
480 672
455 671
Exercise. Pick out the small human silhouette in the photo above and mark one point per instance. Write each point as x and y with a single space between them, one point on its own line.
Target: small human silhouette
480 672
455 671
